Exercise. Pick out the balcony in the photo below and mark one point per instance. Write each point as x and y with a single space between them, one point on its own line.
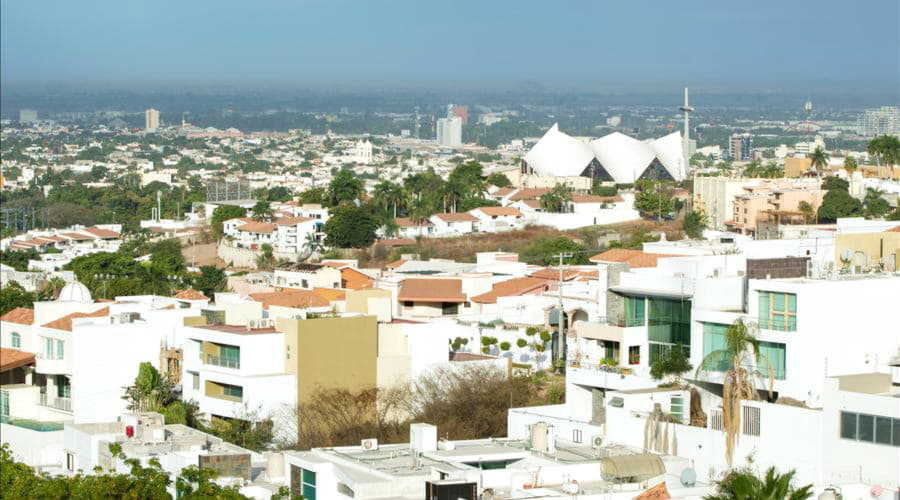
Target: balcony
234 363
611 377
50 365
62 404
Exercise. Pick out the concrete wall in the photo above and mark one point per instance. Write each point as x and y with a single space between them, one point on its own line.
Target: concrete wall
371 301
33 447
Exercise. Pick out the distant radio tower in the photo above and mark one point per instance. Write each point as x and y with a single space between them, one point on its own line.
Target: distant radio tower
807 108
686 144
417 122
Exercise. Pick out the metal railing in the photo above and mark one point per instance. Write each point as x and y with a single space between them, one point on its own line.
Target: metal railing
63 404
223 362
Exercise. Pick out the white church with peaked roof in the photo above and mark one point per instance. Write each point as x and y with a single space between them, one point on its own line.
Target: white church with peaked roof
612 158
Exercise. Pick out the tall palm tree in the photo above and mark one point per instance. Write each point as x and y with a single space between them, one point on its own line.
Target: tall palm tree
819 159
742 484
850 165
741 358
51 288
886 151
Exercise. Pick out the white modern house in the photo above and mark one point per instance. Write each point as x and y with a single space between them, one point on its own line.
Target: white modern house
497 219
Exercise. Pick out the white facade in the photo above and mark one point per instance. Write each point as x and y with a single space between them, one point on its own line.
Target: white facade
449 131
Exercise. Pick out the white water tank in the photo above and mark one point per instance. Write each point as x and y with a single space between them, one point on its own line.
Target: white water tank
422 437
543 437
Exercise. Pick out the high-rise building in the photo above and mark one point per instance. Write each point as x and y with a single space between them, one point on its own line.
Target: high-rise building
740 146
151 119
462 112
449 131
880 121
27 116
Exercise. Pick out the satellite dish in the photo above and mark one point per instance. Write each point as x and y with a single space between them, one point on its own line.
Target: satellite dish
846 255
688 477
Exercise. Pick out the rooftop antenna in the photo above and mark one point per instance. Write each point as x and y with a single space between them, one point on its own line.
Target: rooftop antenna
686 140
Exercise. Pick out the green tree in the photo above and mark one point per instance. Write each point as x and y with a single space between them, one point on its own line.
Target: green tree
742 484
653 200
499 180
875 204
807 210
210 280
223 213
819 160
313 196
350 227
886 151
694 224
850 165
18 259
344 187
544 251
557 199
13 295
739 359
671 365
150 392
262 211
831 183
838 203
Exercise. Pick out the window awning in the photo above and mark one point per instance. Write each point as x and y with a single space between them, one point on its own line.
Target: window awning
634 467
650 292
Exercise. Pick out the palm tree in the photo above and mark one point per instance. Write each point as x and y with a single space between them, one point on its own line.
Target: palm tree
52 287
850 165
819 159
742 484
739 359
262 211
886 151
807 210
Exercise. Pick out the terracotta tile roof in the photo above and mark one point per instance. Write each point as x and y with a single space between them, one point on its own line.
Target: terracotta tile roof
553 274
634 258
190 294
20 315
330 294
292 221
895 229
590 198
658 492
529 194
492 211
102 233
14 358
355 280
298 299
54 238
77 236
457 217
257 227
407 222
334 264
432 290
65 323
532 203
509 288
503 191
394 265
396 242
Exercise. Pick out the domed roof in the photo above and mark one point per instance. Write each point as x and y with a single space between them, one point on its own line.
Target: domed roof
74 292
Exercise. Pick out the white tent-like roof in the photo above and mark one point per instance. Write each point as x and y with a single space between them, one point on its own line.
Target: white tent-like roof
558 154
624 158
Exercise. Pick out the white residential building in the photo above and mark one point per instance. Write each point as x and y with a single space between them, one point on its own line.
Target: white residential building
449 131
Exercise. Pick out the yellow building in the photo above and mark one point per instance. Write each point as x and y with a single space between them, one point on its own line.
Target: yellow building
868 250
796 167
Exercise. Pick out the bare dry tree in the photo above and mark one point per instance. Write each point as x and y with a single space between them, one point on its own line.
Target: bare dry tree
739 383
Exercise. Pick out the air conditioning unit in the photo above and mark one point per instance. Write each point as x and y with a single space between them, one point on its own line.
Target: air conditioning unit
369 444
596 441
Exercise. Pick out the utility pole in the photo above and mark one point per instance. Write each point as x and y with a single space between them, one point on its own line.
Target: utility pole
560 320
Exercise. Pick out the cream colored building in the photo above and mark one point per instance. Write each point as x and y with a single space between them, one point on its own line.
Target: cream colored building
151 119
714 196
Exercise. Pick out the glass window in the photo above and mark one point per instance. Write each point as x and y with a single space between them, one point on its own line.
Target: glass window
230 352
778 311
233 391
634 311
669 321
195 381
16 340
772 355
308 484
63 388
896 432
634 355
48 348
4 403
676 407
866 428
883 430
848 425
714 341
59 349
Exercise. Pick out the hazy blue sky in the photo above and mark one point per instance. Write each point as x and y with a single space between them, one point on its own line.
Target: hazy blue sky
712 40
